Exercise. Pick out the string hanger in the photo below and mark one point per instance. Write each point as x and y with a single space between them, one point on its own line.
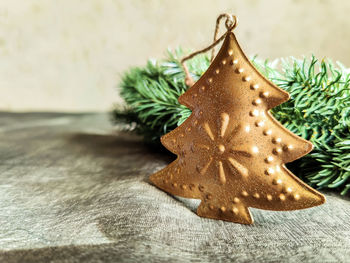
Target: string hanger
230 24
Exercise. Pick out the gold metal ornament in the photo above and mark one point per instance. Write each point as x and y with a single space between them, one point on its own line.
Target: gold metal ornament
231 151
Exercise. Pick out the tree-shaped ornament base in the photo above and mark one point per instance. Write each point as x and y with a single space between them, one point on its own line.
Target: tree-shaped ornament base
231 151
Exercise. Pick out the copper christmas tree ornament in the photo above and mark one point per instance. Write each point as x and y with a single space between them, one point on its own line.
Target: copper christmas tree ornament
231 151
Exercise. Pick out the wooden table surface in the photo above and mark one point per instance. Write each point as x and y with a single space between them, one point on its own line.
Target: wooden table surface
73 189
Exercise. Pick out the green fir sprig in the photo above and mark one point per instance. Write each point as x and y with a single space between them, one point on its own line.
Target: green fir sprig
319 108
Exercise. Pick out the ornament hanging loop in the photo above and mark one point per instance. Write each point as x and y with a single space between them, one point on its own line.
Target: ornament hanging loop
230 24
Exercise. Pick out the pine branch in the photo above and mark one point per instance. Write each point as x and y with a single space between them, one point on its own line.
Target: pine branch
319 108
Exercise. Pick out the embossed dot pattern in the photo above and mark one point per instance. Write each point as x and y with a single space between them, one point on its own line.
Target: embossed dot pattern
231 151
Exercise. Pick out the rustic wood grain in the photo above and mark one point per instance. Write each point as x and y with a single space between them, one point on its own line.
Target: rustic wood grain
73 189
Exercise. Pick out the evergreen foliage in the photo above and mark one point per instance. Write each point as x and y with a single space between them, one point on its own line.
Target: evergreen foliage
319 108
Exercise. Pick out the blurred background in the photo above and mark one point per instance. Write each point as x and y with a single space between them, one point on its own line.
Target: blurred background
68 55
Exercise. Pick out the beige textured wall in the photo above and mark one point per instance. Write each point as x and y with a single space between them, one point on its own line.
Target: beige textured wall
68 54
